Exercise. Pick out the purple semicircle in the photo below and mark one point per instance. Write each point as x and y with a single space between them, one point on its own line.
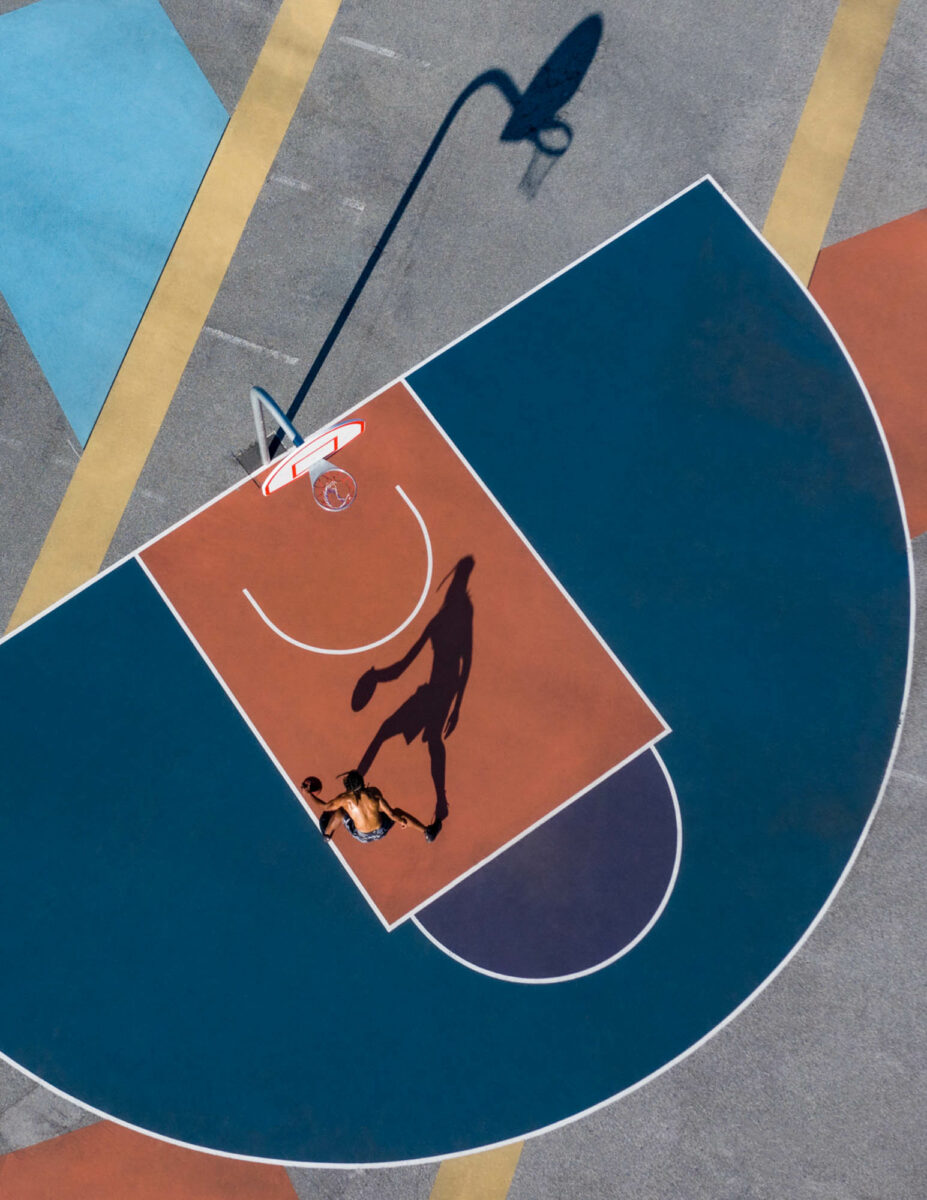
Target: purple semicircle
576 892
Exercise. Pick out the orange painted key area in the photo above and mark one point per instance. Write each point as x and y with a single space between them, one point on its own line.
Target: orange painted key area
873 287
545 709
109 1162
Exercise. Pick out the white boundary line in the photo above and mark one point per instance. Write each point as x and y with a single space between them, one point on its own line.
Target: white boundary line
650 744
136 555
438 1158
606 962
128 557
529 829
257 734
383 640
391 925
360 403
543 565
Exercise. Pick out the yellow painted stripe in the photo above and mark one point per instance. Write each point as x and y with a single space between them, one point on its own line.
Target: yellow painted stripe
486 1176
830 121
125 431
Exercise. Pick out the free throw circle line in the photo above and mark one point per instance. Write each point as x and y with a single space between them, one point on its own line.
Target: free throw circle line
380 641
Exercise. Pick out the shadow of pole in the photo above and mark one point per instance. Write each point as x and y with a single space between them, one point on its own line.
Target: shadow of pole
533 119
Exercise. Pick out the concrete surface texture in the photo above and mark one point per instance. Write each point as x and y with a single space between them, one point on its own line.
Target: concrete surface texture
364 123
817 1090
38 454
31 1113
887 174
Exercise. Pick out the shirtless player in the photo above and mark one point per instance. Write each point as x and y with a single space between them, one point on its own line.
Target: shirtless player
363 811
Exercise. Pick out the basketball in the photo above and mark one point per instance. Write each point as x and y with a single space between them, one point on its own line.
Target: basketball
312 783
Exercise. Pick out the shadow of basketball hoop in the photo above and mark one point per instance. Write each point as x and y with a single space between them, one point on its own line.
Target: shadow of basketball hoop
432 711
534 119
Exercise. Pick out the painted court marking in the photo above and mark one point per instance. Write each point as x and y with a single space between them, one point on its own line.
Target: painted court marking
651 745
138 401
813 925
114 127
797 228
817 160
96 498
506 516
485 1176
381 641
382 50
453 1178
606 962
781 966
570 794
256 733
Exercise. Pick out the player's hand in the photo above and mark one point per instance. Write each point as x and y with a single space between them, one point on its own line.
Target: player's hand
403 821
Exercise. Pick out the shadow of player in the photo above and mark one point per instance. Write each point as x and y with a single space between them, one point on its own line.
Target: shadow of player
434 708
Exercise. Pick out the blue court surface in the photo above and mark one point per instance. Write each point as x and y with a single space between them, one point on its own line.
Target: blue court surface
695 460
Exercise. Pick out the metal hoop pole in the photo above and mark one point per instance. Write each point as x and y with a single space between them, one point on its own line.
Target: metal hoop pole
261 400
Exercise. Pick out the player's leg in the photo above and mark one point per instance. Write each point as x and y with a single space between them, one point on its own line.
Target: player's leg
406 818
329 822
430 831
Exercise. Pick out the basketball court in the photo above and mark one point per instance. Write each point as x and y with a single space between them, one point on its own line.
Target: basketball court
293 604
586 606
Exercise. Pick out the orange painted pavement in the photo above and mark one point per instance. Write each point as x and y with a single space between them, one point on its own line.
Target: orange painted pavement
545 712
873 288
109 1162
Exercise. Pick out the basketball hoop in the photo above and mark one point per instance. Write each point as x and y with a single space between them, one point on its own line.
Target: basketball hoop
333 488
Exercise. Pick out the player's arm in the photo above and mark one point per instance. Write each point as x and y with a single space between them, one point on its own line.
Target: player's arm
395 814
331 805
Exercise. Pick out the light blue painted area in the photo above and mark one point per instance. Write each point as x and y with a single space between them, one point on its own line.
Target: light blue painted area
107 126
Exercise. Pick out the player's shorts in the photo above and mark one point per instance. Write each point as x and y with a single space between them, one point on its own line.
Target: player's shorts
386 824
